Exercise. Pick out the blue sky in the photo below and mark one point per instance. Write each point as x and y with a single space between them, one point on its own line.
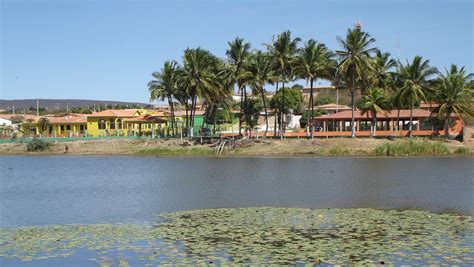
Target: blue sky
106 50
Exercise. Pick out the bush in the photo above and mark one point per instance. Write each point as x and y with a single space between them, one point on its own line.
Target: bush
37 145
462 150
339 151
411 148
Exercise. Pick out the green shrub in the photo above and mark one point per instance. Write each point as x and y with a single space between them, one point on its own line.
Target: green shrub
37 145
339 151
411 148
462 150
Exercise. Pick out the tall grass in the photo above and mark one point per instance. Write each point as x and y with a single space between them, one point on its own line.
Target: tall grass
177 151
411 148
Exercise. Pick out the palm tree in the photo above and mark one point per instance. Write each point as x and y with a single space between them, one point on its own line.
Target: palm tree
199 78
261 73
374 101
383 74
415 84
283 50
355 60
314 61
238 55
165 86
454 95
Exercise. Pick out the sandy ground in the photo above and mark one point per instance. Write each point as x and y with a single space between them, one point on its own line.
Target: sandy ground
261 147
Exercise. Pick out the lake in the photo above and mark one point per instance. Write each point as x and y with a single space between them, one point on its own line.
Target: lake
89 190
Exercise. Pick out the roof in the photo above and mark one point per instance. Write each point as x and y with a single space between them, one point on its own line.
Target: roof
183 113
321 87
124 113
428 105
147 118
392 114
332 106
24 117
69 118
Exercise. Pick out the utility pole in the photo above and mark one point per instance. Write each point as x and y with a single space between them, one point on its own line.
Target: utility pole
37 107
13 109
67 108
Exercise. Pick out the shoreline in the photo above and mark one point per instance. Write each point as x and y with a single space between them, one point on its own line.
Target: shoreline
262 148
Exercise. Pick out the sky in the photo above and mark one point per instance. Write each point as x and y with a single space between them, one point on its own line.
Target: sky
107 50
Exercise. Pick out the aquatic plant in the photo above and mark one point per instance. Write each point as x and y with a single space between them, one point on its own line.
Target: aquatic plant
258 236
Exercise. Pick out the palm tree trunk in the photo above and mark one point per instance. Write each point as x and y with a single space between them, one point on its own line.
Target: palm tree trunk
187 118
374 115
398 120
173 122
446 125
241 117
353 134
275 114
265 109
411 121
282 111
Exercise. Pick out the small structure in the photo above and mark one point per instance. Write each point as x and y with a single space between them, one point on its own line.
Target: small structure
5 122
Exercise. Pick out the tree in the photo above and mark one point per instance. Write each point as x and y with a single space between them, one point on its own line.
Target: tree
454 95
199 78
261 73
252 108
283 51
383 71
355 60
373 102
307 114
414 78
42 125
293 100
165 86
314 61
238 55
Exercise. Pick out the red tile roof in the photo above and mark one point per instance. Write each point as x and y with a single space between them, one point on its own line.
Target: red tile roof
393 114
124 113
146 119
69 118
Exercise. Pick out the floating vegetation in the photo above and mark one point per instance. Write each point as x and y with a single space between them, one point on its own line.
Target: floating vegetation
257 236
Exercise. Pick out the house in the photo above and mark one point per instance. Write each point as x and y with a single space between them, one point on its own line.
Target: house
67 125
110 122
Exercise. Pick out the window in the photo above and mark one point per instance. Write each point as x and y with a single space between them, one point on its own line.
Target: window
112 124
61 127
119 124
81 128
101 124
68 127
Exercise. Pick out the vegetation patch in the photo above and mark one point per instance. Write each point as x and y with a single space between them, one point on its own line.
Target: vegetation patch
177 151
462 151
411 148
285 236
37 145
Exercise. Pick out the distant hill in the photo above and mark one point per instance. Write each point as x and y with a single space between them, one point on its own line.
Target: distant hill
52 104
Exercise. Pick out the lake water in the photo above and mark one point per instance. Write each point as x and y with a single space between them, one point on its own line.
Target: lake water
105 192
90 189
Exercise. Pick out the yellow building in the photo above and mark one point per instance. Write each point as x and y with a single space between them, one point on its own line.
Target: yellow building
110 122
126 122
69 125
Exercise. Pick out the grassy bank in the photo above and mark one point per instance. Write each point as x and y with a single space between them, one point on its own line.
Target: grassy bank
258 148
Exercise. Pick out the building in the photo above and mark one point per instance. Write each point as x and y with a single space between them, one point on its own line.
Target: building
68 125
5 122
339 124
332 108
306 92
110 122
